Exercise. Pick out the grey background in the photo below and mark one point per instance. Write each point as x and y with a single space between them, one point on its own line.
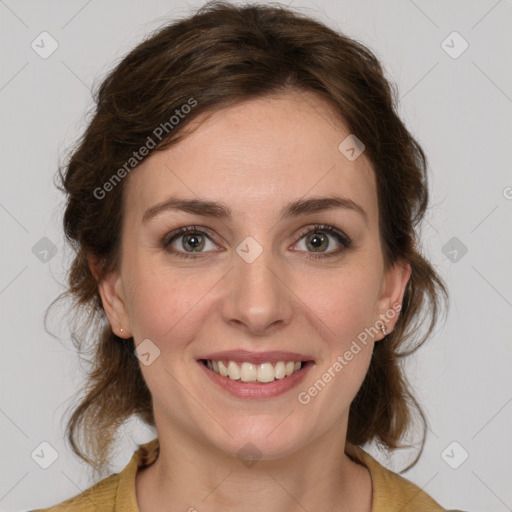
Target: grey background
458 108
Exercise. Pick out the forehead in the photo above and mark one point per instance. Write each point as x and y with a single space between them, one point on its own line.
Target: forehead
255 156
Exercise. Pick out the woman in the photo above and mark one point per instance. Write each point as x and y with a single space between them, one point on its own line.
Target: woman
243 207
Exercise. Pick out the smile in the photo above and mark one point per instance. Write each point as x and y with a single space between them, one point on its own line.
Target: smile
249 372
258 375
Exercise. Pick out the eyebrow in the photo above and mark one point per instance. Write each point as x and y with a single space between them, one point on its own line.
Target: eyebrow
222 211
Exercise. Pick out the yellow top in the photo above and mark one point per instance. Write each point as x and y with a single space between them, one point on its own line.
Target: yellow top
116 493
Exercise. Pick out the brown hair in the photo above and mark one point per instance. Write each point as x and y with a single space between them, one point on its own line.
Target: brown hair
221 55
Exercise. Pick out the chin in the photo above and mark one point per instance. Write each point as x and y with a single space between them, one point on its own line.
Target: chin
254 440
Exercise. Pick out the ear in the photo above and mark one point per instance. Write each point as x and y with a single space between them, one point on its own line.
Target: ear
113 298
392 292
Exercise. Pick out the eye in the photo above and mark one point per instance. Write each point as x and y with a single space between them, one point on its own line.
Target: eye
188 242
318 240
192 241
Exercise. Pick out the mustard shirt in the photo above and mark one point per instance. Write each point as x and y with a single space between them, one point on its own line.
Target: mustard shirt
116 493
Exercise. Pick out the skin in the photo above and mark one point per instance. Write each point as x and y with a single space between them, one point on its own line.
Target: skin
256 157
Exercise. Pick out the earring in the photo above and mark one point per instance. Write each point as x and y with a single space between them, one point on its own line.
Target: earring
383 328
121 329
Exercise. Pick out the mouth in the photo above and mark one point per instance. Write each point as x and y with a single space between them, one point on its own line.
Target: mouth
256 375
262 373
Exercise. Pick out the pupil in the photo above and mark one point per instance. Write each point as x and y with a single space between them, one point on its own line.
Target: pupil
317 240
193 241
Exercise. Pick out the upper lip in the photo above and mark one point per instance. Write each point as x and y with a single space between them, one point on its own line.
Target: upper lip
256 357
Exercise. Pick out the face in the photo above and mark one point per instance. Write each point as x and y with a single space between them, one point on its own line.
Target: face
261 280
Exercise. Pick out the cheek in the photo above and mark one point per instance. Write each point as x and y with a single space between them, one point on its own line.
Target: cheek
344 302
164 303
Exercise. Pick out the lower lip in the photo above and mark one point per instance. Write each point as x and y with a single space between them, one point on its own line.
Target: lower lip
256 389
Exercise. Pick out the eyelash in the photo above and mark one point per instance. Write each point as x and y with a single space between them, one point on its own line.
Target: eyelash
340 237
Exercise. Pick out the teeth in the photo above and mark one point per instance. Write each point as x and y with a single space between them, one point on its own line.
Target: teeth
280 370
222 369
265 373
249 372
233 371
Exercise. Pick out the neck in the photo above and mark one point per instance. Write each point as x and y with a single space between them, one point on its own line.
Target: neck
192 476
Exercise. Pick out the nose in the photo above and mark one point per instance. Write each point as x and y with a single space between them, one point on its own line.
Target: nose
258 298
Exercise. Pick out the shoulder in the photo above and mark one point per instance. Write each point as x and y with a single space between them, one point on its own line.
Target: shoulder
116 493
392 492
101 496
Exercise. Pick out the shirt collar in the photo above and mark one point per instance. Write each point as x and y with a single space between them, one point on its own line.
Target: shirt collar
126 500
